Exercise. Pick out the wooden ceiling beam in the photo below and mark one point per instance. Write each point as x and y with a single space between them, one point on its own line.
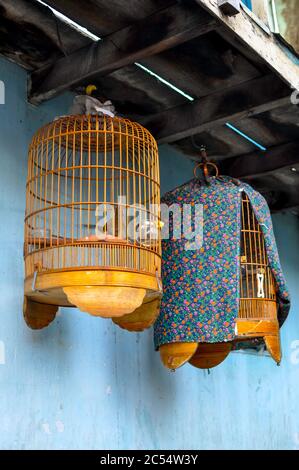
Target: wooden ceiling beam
256 164
244 100
274 173
152 35
32 36
87 14
243 29
103 17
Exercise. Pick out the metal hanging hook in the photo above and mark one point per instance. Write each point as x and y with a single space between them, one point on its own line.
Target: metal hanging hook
204 165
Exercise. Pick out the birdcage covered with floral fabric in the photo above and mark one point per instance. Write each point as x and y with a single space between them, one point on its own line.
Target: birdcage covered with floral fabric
227 291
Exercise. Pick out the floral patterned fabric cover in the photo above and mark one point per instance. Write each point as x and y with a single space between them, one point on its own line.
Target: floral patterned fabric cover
201 286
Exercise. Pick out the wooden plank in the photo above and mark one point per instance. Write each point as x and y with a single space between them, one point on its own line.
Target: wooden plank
29 34
247 99
136 93
280 189
259 163
88 14
274 173
29 38
160 31
203 65
26 12
103 17
272 128
266 46
220 142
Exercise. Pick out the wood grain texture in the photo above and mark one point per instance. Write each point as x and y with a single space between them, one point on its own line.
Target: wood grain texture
272 343
255 38
105 301
253 165
147 37
256 328
31 36
142 318
175 355
247 99
38 316
203 65
67 277
209 355
102 17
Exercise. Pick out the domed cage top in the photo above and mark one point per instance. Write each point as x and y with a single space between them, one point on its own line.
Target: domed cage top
92 205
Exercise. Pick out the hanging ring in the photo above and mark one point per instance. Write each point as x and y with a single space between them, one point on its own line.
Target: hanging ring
205 166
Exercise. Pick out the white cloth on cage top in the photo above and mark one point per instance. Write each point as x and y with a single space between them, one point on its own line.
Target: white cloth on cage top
84 104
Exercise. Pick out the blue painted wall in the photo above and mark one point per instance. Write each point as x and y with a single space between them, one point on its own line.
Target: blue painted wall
84 383
248 3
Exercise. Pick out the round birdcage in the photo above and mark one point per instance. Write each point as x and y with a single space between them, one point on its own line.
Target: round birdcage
92 223
257 316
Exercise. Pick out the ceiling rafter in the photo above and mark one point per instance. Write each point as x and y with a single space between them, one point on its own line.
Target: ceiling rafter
256 164
243 29
149 36
246 99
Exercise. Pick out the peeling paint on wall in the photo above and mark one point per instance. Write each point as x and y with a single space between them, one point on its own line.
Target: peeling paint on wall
295 352
2 92
288 19
46 428
2 353
59 426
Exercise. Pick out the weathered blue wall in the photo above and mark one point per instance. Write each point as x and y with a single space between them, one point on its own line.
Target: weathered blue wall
84 383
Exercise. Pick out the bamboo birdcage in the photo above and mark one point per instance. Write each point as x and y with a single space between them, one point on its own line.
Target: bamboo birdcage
257 317
92 223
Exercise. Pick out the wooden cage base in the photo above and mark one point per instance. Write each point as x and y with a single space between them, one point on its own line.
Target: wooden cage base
143 317
105 301
39 315
131 299
36 315
208 355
